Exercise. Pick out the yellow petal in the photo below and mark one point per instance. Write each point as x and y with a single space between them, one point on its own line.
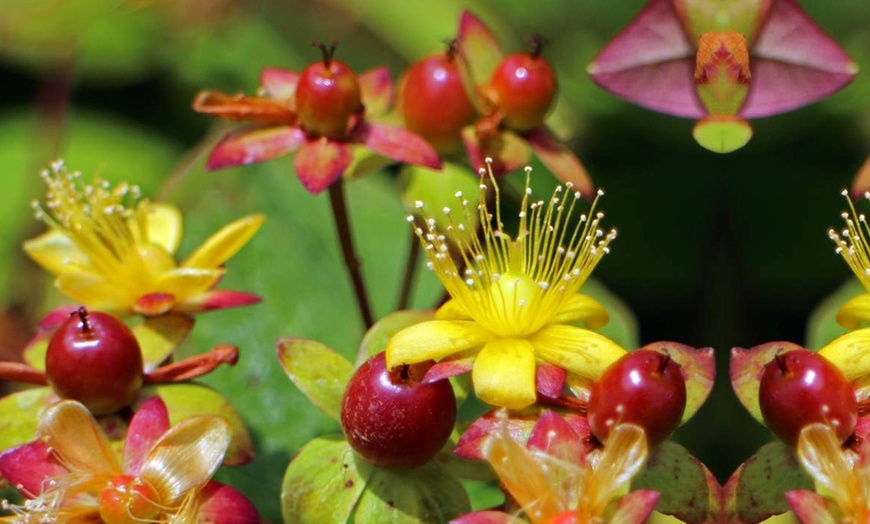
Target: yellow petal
186 282
164 226
850 353
821 455
225 243
504 373
186 457
576 349
452 310
854 312
582 308
94 292
70 429
55 252
520 472
623 457
434 339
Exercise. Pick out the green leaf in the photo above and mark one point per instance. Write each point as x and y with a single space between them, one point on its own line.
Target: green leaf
159 336
318 371
702 16
688 490
822 326
323 483
763 480
188 400
19 415
428 494
376 338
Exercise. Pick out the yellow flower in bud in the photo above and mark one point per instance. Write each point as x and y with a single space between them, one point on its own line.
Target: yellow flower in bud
513 298
113 251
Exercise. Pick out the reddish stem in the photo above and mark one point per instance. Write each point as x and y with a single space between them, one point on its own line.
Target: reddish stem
351 261
20 372
564 401
193 367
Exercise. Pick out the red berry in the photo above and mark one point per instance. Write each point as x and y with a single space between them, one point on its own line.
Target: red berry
434 103
801 387
391 419
523 88
328 96
128 500
95 359
644 388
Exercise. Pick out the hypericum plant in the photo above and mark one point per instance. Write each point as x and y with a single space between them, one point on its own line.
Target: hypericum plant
513 95
722 63
71 473
318 114
514 297
114 251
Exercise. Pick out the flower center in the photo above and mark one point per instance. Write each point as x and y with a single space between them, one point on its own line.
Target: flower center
128 500
515 286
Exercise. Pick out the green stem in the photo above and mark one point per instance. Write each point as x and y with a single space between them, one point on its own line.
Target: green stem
410 272
342 226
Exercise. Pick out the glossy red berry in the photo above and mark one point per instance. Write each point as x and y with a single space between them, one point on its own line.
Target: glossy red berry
94 358
128 500
328 97
801 387
646 388
393 420
523 88
434 103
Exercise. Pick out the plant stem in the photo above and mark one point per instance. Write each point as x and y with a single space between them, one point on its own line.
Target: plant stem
342 226
410 272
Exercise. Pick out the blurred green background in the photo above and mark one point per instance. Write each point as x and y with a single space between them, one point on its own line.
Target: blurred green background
713 250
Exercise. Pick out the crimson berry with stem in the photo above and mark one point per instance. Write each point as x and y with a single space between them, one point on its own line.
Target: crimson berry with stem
328 99
801 387
94 358
433 101
522 88
646 388
392 418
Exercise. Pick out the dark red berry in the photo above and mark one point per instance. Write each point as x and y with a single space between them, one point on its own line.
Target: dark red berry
94 358
434 103
393 420
801 387
644 388
523 88
328 96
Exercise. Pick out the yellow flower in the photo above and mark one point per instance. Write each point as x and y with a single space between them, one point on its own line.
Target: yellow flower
852 245
841 476
72 474
546 486
113 251
513 298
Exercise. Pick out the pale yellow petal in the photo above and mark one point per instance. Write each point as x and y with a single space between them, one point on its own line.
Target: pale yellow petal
820 454
95 293
850 353
71 431
186 282
624 455
186 457
520 473
452 310
55 252
225 243
578 350
504 373
434 339
164 226
582 308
